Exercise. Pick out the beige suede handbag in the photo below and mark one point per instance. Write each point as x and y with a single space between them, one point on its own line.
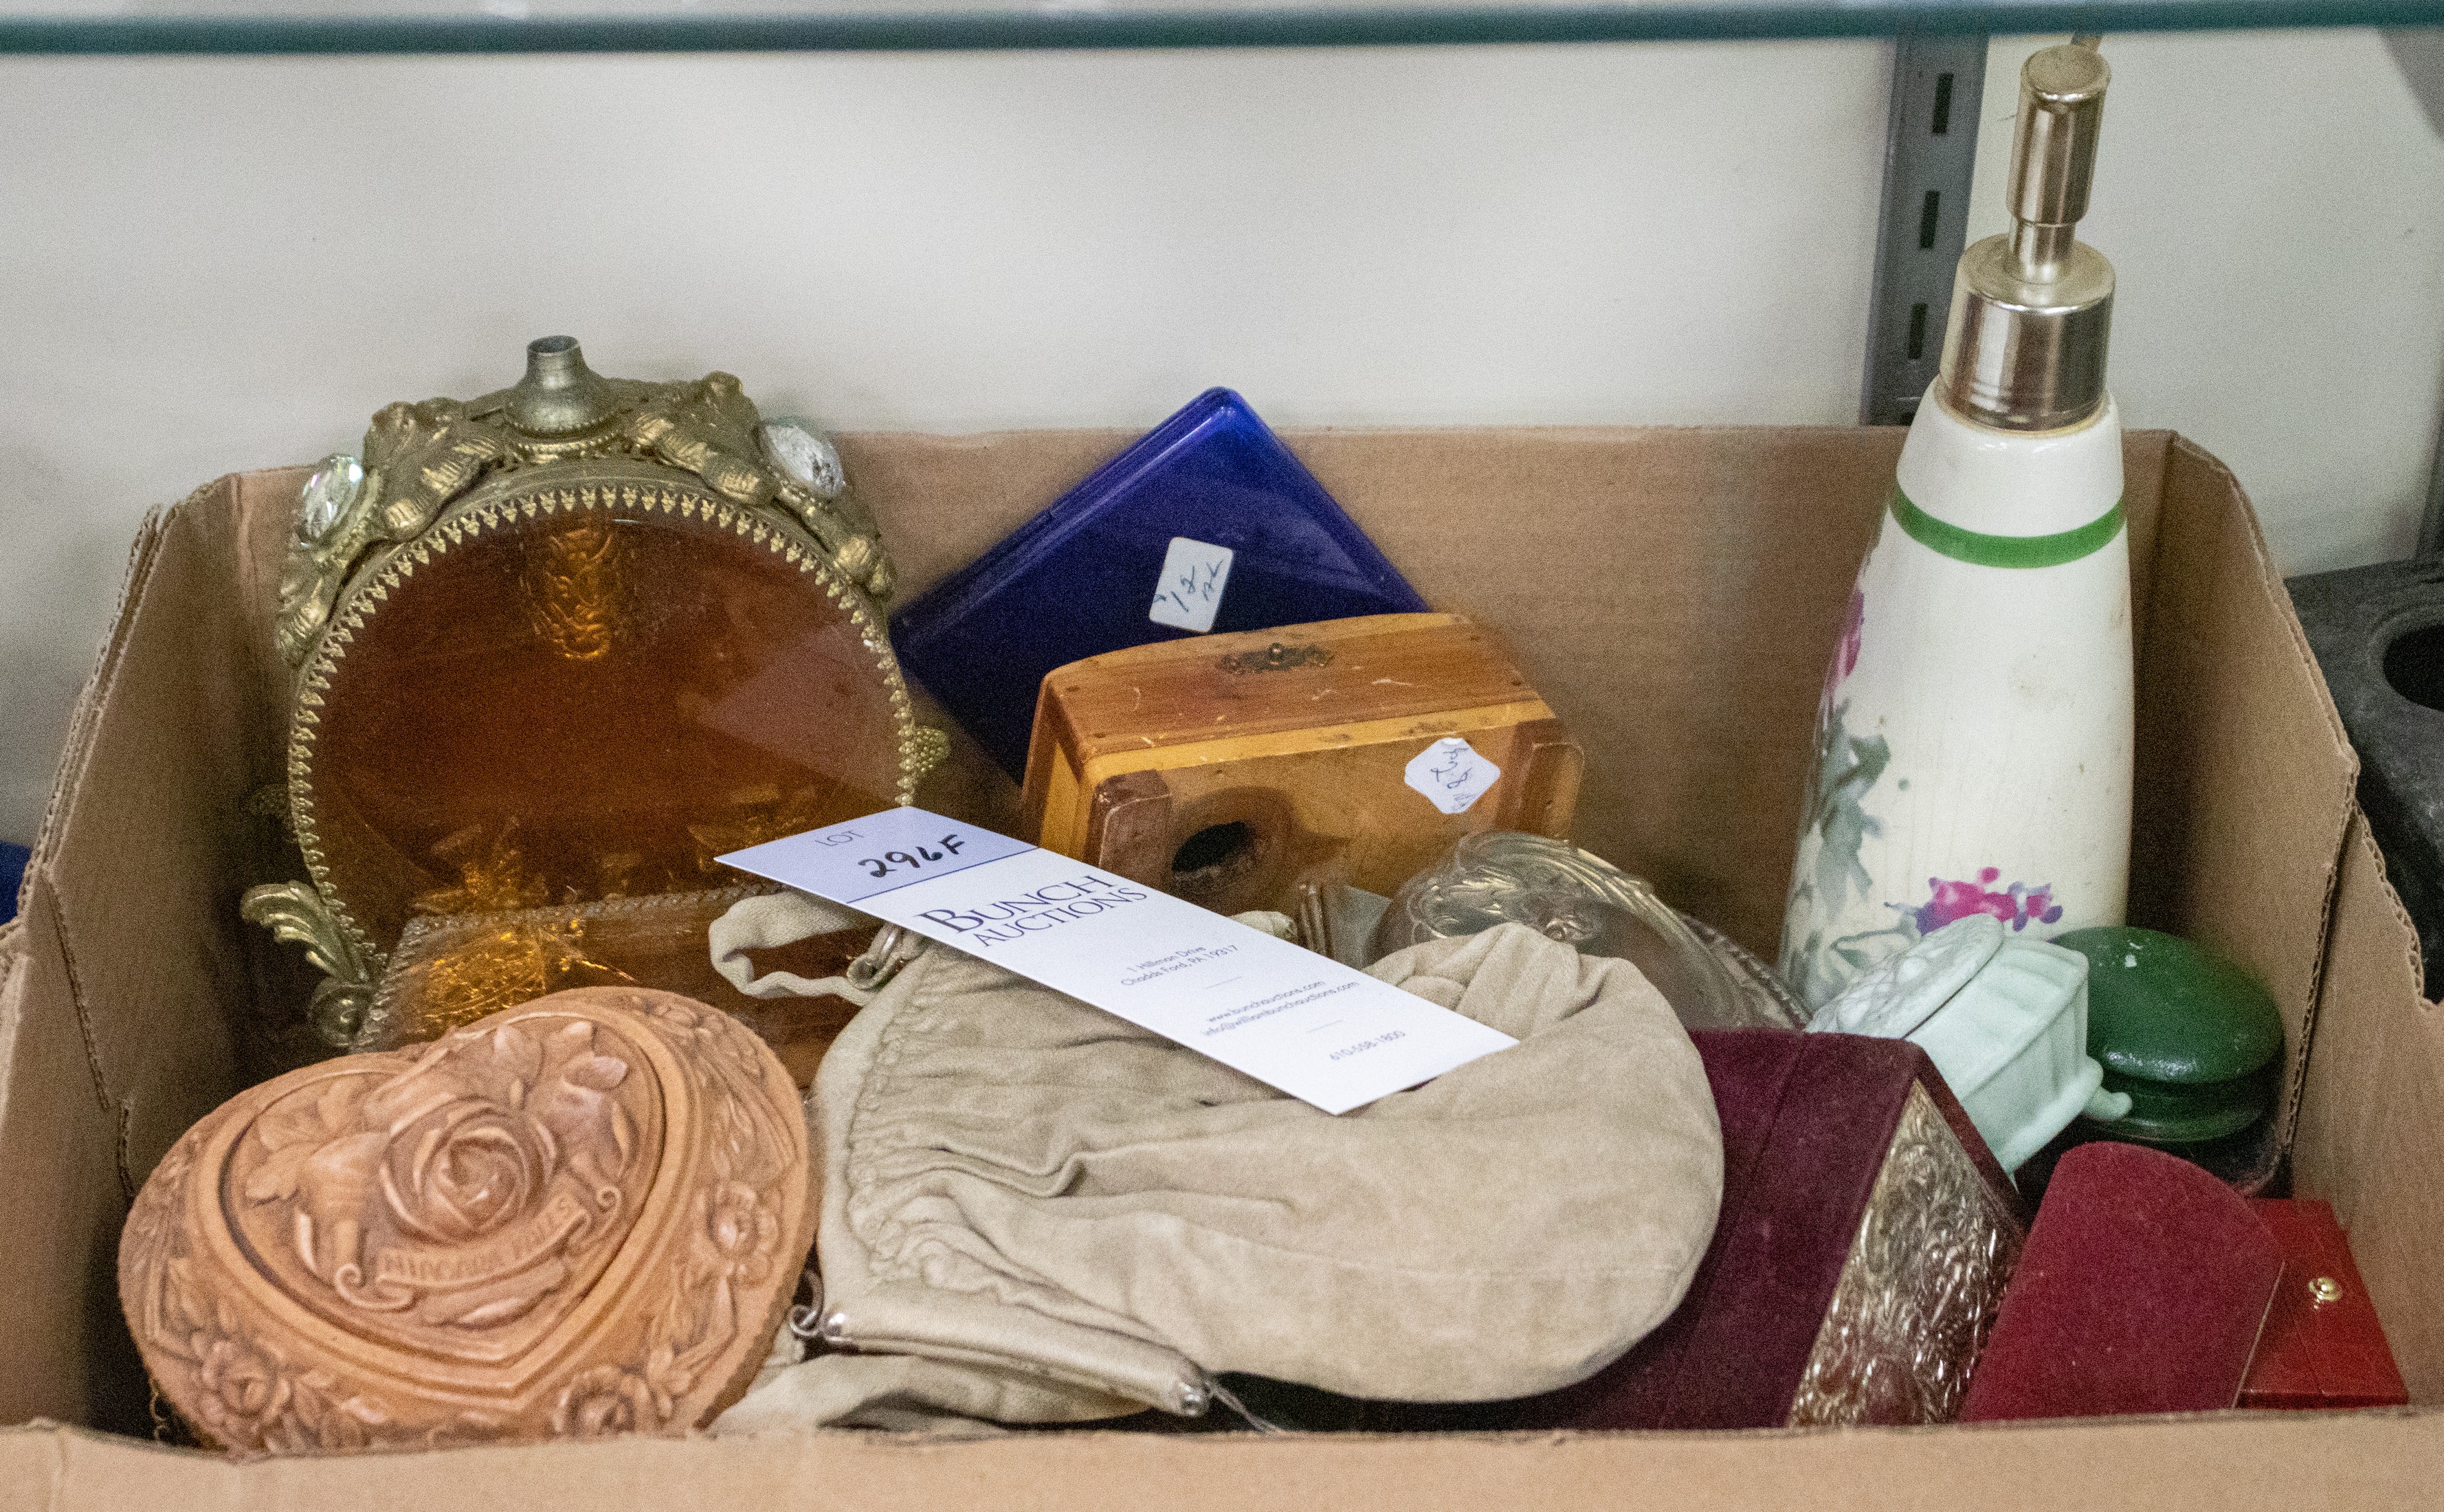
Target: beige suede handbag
1033 1211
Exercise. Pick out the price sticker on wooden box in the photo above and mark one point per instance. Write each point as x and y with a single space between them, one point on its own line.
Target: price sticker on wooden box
1452 774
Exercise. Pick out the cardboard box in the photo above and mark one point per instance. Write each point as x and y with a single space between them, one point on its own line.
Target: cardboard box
1671 594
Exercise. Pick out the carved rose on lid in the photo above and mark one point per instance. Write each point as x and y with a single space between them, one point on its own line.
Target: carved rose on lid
482 1155
243 1388
455 1188
467 1170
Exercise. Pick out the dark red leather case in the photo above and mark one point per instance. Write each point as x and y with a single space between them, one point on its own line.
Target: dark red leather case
2323 1346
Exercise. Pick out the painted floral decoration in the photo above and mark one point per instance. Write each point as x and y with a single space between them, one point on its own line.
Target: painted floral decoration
2018 905
1854 624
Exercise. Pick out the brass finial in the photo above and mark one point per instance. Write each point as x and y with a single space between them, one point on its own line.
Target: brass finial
560 395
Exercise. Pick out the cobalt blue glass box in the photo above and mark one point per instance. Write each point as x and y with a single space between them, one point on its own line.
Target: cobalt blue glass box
1207 524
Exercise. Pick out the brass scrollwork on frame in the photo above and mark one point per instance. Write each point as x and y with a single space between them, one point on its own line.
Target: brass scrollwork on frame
296 915
420 458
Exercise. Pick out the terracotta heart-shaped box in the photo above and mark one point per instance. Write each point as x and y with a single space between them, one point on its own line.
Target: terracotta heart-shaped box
580 1216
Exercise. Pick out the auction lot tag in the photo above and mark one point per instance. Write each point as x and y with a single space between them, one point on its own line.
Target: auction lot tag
1321 1032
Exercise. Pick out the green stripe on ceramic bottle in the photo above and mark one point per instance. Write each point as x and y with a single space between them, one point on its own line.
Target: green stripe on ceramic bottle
1980 550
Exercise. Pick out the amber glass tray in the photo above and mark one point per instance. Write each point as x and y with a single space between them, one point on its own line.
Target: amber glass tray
453 970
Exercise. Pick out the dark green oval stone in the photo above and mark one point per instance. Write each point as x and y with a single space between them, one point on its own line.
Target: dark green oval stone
2171 1113
2162 1009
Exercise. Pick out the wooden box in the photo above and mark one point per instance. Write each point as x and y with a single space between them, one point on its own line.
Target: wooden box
1233 770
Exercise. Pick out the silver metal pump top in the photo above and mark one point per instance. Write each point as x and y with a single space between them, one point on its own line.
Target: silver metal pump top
2032 311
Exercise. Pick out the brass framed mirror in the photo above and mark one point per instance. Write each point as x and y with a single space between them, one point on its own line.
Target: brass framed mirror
565 642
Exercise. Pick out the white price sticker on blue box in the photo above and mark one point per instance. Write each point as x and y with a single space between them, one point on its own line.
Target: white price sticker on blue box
1189 593
1295 1021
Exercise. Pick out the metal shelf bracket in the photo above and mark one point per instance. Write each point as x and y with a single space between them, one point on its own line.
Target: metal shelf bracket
1929 157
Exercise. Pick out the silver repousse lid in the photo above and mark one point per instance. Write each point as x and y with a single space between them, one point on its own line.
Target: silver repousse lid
2032 311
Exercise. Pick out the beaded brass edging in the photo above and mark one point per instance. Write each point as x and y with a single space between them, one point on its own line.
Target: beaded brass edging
420 458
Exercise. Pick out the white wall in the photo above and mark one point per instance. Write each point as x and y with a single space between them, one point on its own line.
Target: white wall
2273 204
213 264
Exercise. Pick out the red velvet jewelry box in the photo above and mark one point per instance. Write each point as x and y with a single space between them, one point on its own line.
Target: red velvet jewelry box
1865 1238
2143 1289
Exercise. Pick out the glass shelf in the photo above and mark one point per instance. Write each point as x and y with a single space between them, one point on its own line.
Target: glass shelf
63 27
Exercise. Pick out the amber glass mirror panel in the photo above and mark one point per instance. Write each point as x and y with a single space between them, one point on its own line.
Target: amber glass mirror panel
588 701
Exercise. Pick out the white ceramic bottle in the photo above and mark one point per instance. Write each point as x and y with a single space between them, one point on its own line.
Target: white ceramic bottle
1972 743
